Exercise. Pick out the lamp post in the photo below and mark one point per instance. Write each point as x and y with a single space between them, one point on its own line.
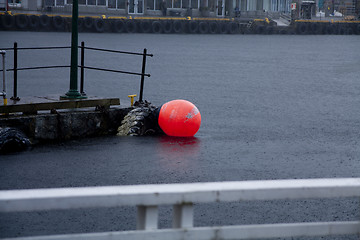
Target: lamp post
73 92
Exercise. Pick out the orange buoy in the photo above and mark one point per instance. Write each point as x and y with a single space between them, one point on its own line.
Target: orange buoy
179 118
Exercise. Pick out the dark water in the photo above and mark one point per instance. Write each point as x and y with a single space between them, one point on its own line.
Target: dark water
272 107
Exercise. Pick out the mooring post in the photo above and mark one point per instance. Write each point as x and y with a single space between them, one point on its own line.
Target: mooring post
73 92
15 97
82 64
142 76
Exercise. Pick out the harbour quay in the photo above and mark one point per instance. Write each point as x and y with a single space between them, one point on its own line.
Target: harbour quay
48 118
186 17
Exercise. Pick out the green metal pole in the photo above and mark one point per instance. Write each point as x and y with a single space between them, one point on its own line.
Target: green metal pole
73 92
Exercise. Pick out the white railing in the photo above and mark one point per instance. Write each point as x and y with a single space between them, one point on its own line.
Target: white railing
147 198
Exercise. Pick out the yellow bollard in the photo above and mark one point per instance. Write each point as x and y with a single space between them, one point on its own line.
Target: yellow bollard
5 103
132 98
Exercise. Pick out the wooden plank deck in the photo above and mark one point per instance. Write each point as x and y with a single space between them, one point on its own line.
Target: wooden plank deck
31 105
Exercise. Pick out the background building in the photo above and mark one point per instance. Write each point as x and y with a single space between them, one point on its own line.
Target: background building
203 8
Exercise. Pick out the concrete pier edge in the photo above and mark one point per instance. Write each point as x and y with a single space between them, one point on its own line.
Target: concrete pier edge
65 125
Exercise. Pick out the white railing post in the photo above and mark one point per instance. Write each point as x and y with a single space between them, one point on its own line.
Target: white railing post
183 215
147 217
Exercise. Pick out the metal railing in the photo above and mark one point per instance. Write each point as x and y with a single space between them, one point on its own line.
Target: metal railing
82 66
3 93
147 198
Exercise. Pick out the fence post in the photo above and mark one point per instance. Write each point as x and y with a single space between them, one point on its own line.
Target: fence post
82 69
147 217
3 93
183 216
142 76
15 97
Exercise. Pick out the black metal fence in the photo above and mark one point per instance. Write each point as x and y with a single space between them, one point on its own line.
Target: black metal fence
82 66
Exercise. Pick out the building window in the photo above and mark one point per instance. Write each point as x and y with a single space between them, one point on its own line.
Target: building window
176 3
18 2
252 5
112 3
281 5
194 4
288 4
155 4
101 2
169 4
121 4
59 2
47 2
158 4
212 5
150 4
185 4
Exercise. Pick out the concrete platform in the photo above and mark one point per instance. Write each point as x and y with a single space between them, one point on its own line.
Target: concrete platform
31 105
48 118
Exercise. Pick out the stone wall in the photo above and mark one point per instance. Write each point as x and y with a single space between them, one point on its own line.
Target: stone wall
67 125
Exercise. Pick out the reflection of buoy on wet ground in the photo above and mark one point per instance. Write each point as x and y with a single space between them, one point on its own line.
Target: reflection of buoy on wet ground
179 118
177 153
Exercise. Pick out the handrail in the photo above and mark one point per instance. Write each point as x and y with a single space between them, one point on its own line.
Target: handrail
81 66
36 48
147 198
90 48
116 71
34 68
115 51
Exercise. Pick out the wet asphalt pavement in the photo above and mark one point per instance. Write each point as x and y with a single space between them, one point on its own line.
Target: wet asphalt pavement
273 107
